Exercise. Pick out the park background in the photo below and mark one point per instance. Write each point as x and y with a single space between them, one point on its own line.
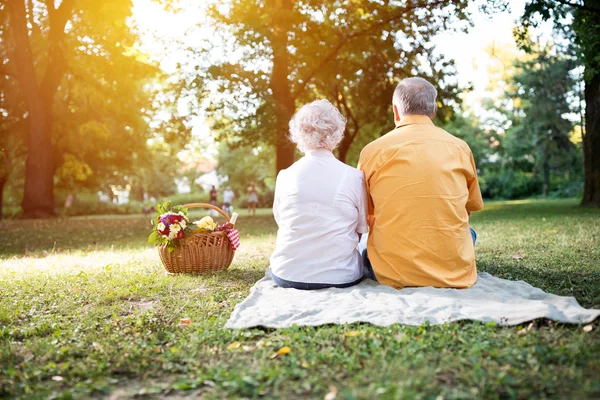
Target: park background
124 103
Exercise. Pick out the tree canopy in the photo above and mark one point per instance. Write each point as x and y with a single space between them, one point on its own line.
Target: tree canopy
350 52
580 21
78 92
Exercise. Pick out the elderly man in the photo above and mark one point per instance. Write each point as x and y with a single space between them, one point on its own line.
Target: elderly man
422 186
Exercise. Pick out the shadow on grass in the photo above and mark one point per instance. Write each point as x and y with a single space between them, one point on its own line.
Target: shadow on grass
38 238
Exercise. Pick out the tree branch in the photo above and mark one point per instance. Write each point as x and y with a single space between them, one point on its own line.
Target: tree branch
56 51
64 11
345 39
350 114
23 57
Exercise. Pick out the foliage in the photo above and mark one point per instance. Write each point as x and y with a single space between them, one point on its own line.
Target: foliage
530 136
544 87
105 91
580 22
509 184
187 198
102 318
243 165
155 170
89 204
352 53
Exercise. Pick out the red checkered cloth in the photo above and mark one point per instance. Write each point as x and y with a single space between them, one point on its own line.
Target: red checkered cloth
234 238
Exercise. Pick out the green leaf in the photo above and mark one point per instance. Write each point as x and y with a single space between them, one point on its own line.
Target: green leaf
154 237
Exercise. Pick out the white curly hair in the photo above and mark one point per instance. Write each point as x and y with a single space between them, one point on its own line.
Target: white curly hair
317 125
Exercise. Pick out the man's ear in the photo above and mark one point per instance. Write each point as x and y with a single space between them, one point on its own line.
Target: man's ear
434 112
396 113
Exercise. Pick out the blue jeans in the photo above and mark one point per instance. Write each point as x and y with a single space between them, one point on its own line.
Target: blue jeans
309 286
368 271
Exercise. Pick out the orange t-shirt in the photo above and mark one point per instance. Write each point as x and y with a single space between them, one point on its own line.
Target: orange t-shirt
422 183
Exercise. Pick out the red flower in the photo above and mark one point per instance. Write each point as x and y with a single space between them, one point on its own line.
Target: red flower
180 234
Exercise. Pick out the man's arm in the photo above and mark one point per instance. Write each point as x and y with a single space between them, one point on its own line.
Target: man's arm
475 201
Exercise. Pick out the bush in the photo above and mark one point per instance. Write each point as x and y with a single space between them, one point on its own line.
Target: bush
85 206
509 184
186 198
566 187
518 185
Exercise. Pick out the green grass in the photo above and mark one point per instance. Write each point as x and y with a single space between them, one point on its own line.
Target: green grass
86 310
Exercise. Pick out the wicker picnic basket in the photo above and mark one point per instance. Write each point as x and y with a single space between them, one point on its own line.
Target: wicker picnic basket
200 253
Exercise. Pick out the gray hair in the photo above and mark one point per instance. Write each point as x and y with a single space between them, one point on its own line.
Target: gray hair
415 96
317 125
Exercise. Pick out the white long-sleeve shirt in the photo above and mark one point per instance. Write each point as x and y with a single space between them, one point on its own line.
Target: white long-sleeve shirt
320 207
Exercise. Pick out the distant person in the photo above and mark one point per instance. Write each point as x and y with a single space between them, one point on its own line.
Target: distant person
213 196
148 210
228 196
69 201
252 199
422 185
320 207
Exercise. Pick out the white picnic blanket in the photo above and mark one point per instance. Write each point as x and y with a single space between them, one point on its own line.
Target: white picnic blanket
490 299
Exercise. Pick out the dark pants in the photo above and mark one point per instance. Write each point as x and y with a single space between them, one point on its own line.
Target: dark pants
368 272
309 286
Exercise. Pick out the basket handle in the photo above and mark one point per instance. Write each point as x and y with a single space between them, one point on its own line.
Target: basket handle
209 206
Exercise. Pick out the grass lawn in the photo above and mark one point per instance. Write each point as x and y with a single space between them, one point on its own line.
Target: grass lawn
86 310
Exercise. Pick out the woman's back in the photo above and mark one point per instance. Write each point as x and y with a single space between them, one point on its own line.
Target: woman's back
320 207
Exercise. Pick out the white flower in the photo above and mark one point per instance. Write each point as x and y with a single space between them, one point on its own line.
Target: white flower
160 226
183 224
172 234
175 228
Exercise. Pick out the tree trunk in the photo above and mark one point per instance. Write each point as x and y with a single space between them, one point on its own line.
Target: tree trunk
138 192
349 133
345 146
3 181
546 172
280 85
591 143
38 198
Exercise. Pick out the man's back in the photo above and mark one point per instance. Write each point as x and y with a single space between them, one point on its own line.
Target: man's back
421 181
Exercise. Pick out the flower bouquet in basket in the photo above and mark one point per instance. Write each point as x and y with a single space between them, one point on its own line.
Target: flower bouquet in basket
170 225
183 247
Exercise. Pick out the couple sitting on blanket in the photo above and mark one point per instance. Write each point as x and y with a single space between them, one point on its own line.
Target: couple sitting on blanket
412 193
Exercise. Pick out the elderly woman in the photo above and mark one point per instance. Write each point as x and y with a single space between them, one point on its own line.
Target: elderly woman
320 207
